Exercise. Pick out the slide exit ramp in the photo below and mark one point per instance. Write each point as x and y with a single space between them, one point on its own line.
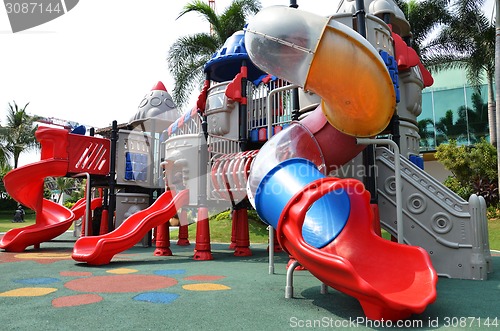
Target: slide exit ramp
99 250
453 231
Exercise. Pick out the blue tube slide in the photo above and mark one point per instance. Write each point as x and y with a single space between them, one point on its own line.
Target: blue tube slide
325 218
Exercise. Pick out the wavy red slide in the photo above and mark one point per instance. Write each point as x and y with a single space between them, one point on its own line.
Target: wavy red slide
80 206
99 250
25 185
391 281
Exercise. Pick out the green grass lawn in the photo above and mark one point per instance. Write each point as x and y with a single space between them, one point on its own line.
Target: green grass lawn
494 233
6 221
220 228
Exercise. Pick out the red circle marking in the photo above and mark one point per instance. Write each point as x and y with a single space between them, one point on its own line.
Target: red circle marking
120 283
76 300
75 273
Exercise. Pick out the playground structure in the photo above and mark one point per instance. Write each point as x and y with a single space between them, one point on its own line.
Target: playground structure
275 127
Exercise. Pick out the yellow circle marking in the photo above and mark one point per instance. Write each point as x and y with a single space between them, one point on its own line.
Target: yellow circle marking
43 256
28 292
122 271
205 287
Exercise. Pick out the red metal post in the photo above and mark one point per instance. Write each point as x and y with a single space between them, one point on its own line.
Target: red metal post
163 240
234 222
242 233
183 230
104 222
202 251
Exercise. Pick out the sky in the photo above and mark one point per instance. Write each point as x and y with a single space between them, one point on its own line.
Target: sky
94 64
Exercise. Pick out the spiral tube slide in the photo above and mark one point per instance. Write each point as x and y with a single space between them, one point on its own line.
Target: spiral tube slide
322 56
99 250
326 224
25 185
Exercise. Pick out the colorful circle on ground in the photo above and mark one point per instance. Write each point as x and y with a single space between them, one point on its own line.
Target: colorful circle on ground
156 297
75 273
76 300
37 281
28 292
120 283
205 287
42 256
204 278
170 272
122 271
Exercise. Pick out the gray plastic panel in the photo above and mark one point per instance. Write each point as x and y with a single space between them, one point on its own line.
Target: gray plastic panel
453 231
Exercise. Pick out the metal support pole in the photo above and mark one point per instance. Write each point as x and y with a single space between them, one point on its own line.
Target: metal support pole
243 110
295 105
203 163
88 200
360 16
271 250
289 279
397 175
112 176
368 152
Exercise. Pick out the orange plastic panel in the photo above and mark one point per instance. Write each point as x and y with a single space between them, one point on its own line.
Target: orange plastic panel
357 91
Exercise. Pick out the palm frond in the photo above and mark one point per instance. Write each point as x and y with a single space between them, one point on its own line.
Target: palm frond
187 55
203 9
18 135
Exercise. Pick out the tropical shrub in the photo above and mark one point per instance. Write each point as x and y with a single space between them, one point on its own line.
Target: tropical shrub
474 169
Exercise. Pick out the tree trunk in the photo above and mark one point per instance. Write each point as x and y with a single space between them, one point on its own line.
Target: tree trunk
497 78
492 110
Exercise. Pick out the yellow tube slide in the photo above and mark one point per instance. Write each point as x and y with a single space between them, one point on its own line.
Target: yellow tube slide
329 59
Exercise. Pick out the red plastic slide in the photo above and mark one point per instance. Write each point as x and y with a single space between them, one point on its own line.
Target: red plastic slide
390 280
79 207
61 153
98 250
25 185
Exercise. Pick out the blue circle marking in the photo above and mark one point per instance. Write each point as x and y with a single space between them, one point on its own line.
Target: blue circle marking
156 297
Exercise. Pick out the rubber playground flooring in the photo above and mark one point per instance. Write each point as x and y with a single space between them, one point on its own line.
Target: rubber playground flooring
47 290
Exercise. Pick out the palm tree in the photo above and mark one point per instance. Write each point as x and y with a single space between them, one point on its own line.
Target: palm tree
426 132
424 17
188 55
470 126
4 155
19 134
477 118
467 42
448 129
62 185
